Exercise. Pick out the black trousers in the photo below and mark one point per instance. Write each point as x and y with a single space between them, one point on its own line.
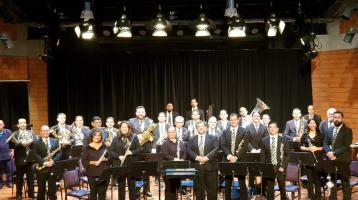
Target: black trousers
206 181
171 185
6 168
243 188
314 182
20 171
343 174
270 183
42 177
98 188
122 188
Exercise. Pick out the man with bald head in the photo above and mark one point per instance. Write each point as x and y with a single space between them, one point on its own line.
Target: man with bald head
5 156
41 148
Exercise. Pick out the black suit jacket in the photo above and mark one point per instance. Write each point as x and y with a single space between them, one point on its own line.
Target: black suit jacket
174 115
201 112
20 151
323 127
255 137
40 150
226 142
265 154
119 148
317 118
341 148
210 150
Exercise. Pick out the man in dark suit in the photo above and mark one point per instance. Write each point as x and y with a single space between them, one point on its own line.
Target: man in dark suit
295 129
234 143
326 125
223 123
312 115
182 132
202 150
212 127
194 106
273 152
191 124
160 131
62 132
256 132
139 124
43 147
245 119
6 155
337 148
23 161
170 114
78 130
96 123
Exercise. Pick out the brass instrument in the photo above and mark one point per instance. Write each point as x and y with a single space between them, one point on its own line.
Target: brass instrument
147 135
47 158
109 139
260 106
53 132
301 129
20 139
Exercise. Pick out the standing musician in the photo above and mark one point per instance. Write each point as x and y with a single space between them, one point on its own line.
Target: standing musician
96 123
191 124
274 150
182 132
312 115
326 125
172 149
125 148
95 159
78 130
202 149
6 155
21 142
62 132
337 147
312 141
213 127
170 114
194 106
160 131
112 132
139 124
234 143
294 129
223 123
266 119
245 119
46 151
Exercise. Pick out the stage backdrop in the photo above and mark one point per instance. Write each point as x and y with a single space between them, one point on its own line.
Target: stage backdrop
93 83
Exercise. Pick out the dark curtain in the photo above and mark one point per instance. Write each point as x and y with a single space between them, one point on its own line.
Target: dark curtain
93 83
14 103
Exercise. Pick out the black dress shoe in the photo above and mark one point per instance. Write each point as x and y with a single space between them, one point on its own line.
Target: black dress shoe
148 194
9 185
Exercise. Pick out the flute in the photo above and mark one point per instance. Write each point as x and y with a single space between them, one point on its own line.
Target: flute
102 156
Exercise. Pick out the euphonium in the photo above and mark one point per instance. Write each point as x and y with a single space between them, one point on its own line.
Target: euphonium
147 135
260 106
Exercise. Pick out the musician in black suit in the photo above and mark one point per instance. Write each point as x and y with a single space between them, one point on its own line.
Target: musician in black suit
194 106
23 161
170 114
327 125
312 115
95 158
78 130
182 132
160 131
337 148
124 149
312 141
293 128
111 130
173 149
234 141
202 150
43 147
266 119
96 123
223 123
139 124
212 127
245 119
62 132
273 152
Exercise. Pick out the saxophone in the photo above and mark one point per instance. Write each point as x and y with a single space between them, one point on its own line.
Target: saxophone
47 158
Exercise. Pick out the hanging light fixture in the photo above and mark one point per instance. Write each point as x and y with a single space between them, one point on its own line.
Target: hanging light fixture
202 25
273 24
160 24
85 30
348 37
237 28
231 11
122 27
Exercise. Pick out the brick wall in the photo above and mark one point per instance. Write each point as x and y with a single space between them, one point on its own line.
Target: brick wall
335 84
35 71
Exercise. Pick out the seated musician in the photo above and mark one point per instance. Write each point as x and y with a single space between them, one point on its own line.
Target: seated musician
95 159
274 149
46 151
175 150
125 148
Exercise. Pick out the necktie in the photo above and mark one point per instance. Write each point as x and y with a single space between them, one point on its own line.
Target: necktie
179 136
335 132
256 127
273 151
233 141
140 125
47 145
201 145
170 118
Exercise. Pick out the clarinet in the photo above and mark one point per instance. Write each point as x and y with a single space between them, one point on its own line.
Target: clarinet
311 145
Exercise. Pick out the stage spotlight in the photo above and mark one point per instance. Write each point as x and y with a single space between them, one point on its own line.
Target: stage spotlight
273 24
237 28
348 11
85 30
350 35
160 24
202 25
5 39
231 11
307 39
122 27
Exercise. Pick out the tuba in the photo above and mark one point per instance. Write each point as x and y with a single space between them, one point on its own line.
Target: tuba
260 106
147 135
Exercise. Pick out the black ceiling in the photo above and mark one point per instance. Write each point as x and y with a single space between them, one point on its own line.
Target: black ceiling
138 10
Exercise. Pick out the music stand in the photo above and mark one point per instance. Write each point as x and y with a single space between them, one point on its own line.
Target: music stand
150 157
330 167
251 157
76 151
263 170
174 165
109 173
294 146
145 168
64 165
